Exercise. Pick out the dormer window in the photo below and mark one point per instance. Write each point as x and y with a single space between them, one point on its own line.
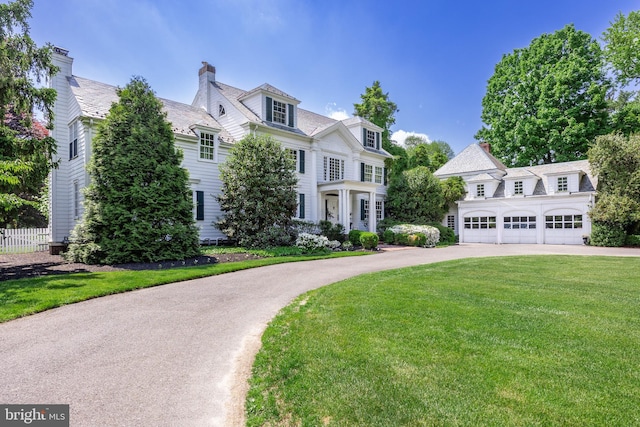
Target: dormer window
280 112
563 184
480 190
518 187
371 139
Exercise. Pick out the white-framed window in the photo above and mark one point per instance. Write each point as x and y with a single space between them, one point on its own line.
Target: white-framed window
279 112
479 222
371 139
73 140
367 173
293 154
518 187
207 146
379 207
333 169
76 200
378 175
221 110
480 190
563 184
519 222
563 221
451 221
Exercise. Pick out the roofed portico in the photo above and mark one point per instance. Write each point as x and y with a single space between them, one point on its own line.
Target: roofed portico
336 201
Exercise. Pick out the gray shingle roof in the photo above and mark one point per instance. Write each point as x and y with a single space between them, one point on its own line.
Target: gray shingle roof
472 159
268 88
95 100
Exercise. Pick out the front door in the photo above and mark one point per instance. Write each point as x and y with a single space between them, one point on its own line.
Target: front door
331 209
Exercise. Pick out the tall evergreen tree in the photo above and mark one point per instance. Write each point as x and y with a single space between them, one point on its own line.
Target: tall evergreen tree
138 207
26 150
258 193
379 110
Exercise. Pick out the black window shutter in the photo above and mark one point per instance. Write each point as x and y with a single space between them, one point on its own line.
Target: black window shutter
377 140
269 109
301 160
364 137
384 175
290 108
362 172
199 205
362 218
70 150
301 215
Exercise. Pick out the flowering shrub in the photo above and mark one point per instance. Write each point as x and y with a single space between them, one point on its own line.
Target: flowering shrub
311 242
432 234
347 245
333 244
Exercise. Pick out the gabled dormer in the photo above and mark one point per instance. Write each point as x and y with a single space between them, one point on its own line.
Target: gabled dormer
481 186
563 182
272 105
368 134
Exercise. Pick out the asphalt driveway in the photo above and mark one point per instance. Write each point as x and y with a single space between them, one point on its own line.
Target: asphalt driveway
179 354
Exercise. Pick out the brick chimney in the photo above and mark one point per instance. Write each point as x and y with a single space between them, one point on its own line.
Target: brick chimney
486 147
207 72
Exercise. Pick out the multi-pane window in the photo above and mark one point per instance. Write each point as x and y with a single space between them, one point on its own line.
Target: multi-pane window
563 184
378 210
293 154
207 146
378 175
371 139
368 173
480 190
518 187
519 222
333 169
279 112
73 140
563 221
480 222
451 221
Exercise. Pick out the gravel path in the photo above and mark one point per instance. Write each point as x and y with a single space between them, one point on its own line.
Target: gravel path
180 354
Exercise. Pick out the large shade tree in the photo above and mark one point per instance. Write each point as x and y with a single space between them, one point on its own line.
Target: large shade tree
415 196
138 207
26 149
547 102
258 197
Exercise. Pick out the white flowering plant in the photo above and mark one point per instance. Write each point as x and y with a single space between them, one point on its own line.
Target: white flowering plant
431 233
308 242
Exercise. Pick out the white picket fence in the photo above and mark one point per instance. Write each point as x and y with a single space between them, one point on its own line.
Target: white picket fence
23 240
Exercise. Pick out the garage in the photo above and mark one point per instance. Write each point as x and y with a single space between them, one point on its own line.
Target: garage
519 229
480 229
563 228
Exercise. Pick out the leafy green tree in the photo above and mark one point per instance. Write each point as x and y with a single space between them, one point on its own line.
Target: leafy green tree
615 159
258 193
625 113
622 47
415 196
138 207
547 102
421 152
379 110
26 150
452 190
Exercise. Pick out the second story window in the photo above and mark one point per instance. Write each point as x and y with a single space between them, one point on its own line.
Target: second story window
279 112
333 169
563 184
368 173
371 139
379 173
480 190
73 140
518 187
207 146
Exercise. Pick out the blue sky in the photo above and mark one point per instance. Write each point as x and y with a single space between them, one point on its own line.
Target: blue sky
433 57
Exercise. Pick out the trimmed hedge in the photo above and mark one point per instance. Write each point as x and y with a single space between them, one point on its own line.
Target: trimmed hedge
607 235
354 237
368 240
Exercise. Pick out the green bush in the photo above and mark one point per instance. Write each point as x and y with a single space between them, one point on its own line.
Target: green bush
385 224
607 235
354 237
418 239
632 240
388 236
332 231
369 240
401 239
447 235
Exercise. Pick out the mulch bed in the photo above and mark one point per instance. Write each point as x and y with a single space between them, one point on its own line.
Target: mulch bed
18 266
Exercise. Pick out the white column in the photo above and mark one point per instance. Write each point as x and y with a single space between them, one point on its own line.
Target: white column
347 211
372 212
315 196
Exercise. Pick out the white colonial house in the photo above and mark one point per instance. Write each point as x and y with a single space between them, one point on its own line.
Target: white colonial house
536 204
340 164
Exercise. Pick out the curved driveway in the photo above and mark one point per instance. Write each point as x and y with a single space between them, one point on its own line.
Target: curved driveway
177 355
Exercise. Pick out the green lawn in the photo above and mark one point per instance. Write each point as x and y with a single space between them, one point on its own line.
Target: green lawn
28 296
524 341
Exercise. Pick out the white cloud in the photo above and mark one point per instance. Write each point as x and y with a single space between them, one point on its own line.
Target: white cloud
332 110
400 136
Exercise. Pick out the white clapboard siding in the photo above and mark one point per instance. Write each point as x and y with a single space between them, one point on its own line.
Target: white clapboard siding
22 240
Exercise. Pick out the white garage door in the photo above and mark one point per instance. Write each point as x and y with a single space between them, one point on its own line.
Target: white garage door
480 229
563 229
519 229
